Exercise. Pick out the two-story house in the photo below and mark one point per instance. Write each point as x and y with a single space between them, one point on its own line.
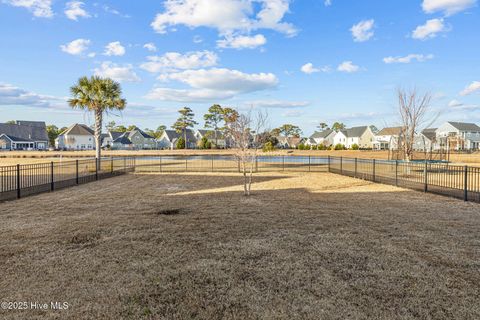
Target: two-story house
169 138
388 138
362 136
76 137
324 137
135 139
458 136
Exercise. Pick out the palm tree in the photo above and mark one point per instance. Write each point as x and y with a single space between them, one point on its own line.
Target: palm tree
98 95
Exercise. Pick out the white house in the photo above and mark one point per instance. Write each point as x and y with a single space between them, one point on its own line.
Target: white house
77 137
361 136
169 138
426 140
324 137
387 138
210 135
458 136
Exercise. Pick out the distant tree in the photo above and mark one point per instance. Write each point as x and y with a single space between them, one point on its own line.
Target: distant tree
181 143
289 130
322 126
355 146
160 130
213 119
276 132
53 132
184 122
339 146
268 147
110 125
230 116
203 143
98 95
131 127
120 128
267 137
11 122
337 126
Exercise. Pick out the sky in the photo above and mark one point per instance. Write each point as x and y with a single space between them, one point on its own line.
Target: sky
303 61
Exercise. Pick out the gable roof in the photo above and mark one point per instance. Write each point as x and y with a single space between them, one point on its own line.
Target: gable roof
430 133
390 131
211 133
25 132
143 133
16 139
321 134
173 135
354 132
79 130
115 134
123 139
464 126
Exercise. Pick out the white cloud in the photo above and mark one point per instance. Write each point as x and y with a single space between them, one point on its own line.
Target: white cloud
455 103
292 113
348 66
150 46
114 49
39 8
76 47
363 30
227 16
117 72
213 84
449 7
327 3
278 104
171 61
114 11
429 30
74 10
309 68
473 87
409 58
242 42
14 96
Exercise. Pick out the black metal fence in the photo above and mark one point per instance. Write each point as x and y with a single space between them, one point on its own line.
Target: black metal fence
462 182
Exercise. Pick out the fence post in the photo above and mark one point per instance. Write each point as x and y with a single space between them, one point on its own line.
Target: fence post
256 164
396 173
18 182
374 162
111 163
355 167
309 164
328 163
76 171
465 187
425 173
52 181
125 164
341 165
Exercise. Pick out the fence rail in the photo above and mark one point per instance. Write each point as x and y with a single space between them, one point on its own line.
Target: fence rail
462 182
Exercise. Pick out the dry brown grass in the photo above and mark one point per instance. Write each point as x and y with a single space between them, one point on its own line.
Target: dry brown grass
178 246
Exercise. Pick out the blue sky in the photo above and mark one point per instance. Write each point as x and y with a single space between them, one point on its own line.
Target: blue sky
306 61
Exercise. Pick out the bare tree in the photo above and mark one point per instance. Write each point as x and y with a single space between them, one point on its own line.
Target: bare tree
245 132
412 108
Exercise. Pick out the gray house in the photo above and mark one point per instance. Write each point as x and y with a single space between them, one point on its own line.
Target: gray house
169 138
135 139
23 135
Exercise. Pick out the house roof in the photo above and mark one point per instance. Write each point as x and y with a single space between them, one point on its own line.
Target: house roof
25 132
123 139
173 135
38 124
211 133
390 131
464 126
321 134
115 134
354 132
16 139
430 133
79 130
143 133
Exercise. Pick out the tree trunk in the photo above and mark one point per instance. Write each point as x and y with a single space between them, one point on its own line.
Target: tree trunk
185 137
245 179
216 139
98 133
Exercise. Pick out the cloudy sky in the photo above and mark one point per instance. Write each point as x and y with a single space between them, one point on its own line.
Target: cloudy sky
305 61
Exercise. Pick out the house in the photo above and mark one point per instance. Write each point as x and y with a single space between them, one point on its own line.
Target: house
23 135
324 137
426 140
458 136
288 142
210 135
135 139
361 136
76 137
388 138
169 138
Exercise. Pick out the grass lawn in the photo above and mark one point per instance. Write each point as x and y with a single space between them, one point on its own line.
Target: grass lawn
186 246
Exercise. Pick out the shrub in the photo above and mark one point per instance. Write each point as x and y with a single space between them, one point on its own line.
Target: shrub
355 146
301 146
339 146
208 145
268 147
202 144
181 143
322 147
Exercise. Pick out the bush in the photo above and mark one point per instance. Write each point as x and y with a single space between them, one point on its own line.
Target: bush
268 147
322 147
355 146
181 143
339 146
301 146
202 144
208 145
